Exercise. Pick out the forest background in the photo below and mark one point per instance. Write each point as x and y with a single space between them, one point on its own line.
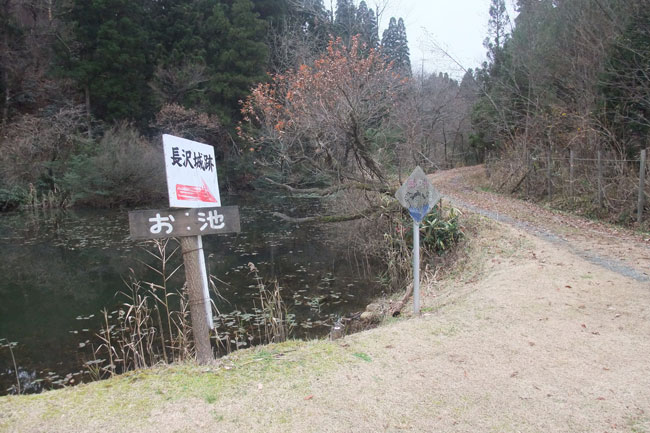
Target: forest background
293 94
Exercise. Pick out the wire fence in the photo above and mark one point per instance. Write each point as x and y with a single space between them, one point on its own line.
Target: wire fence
602 180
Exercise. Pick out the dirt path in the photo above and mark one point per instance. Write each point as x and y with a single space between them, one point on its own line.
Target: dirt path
617 249
526 334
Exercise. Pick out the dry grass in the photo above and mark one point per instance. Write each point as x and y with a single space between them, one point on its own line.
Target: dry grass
521 337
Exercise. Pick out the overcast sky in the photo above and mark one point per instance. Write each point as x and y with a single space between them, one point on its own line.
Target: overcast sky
458 26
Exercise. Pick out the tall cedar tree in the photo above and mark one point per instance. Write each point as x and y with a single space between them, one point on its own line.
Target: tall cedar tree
394 46
315 20
367 24
345 22
272 11
241 59
109 57
226 40
625 85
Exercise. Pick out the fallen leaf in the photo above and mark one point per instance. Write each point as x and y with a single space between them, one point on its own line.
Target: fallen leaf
260 386
309 397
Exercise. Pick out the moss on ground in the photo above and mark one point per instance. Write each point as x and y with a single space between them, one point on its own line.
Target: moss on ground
128 396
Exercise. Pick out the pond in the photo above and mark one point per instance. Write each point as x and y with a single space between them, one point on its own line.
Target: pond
59 269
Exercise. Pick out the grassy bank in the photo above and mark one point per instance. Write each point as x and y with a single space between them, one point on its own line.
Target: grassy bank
290 369
519 335
120 402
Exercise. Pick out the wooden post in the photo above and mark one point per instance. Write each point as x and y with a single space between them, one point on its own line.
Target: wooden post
571 192
191 247
548 175
641 204
600 180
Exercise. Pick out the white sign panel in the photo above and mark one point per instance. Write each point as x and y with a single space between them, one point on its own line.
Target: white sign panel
191 173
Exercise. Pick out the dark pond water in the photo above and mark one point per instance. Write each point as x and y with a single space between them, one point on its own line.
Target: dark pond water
58 270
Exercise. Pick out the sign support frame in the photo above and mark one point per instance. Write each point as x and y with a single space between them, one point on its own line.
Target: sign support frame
418 195
416 267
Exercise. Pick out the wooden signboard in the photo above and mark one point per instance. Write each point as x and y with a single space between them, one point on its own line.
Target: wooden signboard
193 186
191 173
167 223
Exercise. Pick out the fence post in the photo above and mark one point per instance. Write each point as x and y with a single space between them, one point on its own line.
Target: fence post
600 180
529 164
641 204
548 175
571 174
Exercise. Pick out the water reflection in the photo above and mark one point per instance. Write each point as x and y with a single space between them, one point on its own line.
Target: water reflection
59 269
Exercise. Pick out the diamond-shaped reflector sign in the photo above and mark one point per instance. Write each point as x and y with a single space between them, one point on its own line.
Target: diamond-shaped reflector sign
418 195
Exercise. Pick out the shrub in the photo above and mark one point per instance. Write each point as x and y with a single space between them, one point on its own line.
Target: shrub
11 198
390 240
123 169
33 147
438 231
193 125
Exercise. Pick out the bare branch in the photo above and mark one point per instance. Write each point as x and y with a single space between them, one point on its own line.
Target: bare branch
366 213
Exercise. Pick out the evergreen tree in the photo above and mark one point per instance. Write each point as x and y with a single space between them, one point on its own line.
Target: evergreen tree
225 44
624 85
394 45
314 20
241 58
367 24
403 58
345 22
468 86
389 40
497 30
110 58
272 11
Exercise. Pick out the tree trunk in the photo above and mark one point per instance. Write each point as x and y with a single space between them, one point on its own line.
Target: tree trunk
5 82
5 106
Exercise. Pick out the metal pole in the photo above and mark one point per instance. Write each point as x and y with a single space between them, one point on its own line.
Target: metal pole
416 267
641 204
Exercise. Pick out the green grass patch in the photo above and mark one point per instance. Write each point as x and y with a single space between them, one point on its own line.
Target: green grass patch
362 356
130 397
